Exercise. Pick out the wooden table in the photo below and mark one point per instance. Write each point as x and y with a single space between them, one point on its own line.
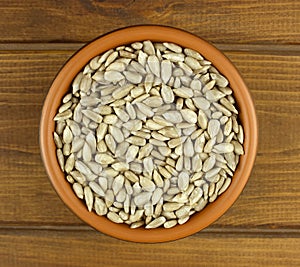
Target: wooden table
261 38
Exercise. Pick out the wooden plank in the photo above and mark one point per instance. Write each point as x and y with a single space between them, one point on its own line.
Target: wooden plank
271 198
69 248
287 49
219 21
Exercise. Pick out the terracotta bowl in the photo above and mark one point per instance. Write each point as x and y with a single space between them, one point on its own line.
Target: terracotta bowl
61 85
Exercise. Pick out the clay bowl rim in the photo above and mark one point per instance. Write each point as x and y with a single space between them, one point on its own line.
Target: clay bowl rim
60 86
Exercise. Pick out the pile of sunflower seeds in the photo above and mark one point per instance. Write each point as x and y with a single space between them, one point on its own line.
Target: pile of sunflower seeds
148 134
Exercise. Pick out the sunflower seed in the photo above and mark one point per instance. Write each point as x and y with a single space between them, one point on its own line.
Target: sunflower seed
196 163
61 159
214 95
120 198
78 190
213 128
174 57
145 151
173 47
116 133
116 66
183 181
113 76
224 148
85 84
147 184
100 207
199 144
78 176
101 146
228 105
173 116
136 216
122 115
192 63
57 140
224 186
183 211
156 222
193 53
118 184
93 115
104 159
184 92
211 174
131 176
138 67
67 135
189 115
201 204
238 148
135 140
157 143
195 196
110 143
188 148
131 153
109 198
122 91
70 179
127 54
157 179
145 109
240 134
148 47
142 198
110 58
133 77
114 217
120 166
202 119
220 80
154 65
209 163
164 172
70 162
96 188
130 110
89 198
224 110
153 101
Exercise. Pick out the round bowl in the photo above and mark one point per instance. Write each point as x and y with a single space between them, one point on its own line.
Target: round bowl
61 85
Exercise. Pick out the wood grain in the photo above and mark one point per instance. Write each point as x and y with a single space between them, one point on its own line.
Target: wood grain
262 38
221 21
273 81
63 248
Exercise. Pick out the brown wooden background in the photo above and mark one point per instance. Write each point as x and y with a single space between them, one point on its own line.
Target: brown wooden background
261 37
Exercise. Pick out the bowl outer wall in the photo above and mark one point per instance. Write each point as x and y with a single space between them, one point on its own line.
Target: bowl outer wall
61 85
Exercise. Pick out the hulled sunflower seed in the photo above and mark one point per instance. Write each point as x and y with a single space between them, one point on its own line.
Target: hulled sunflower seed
213 128
174 57
156 222
202 119
189 116
100 206
131 153
89 198
78 190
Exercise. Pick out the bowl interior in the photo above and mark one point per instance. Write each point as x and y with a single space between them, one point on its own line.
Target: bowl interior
61 85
